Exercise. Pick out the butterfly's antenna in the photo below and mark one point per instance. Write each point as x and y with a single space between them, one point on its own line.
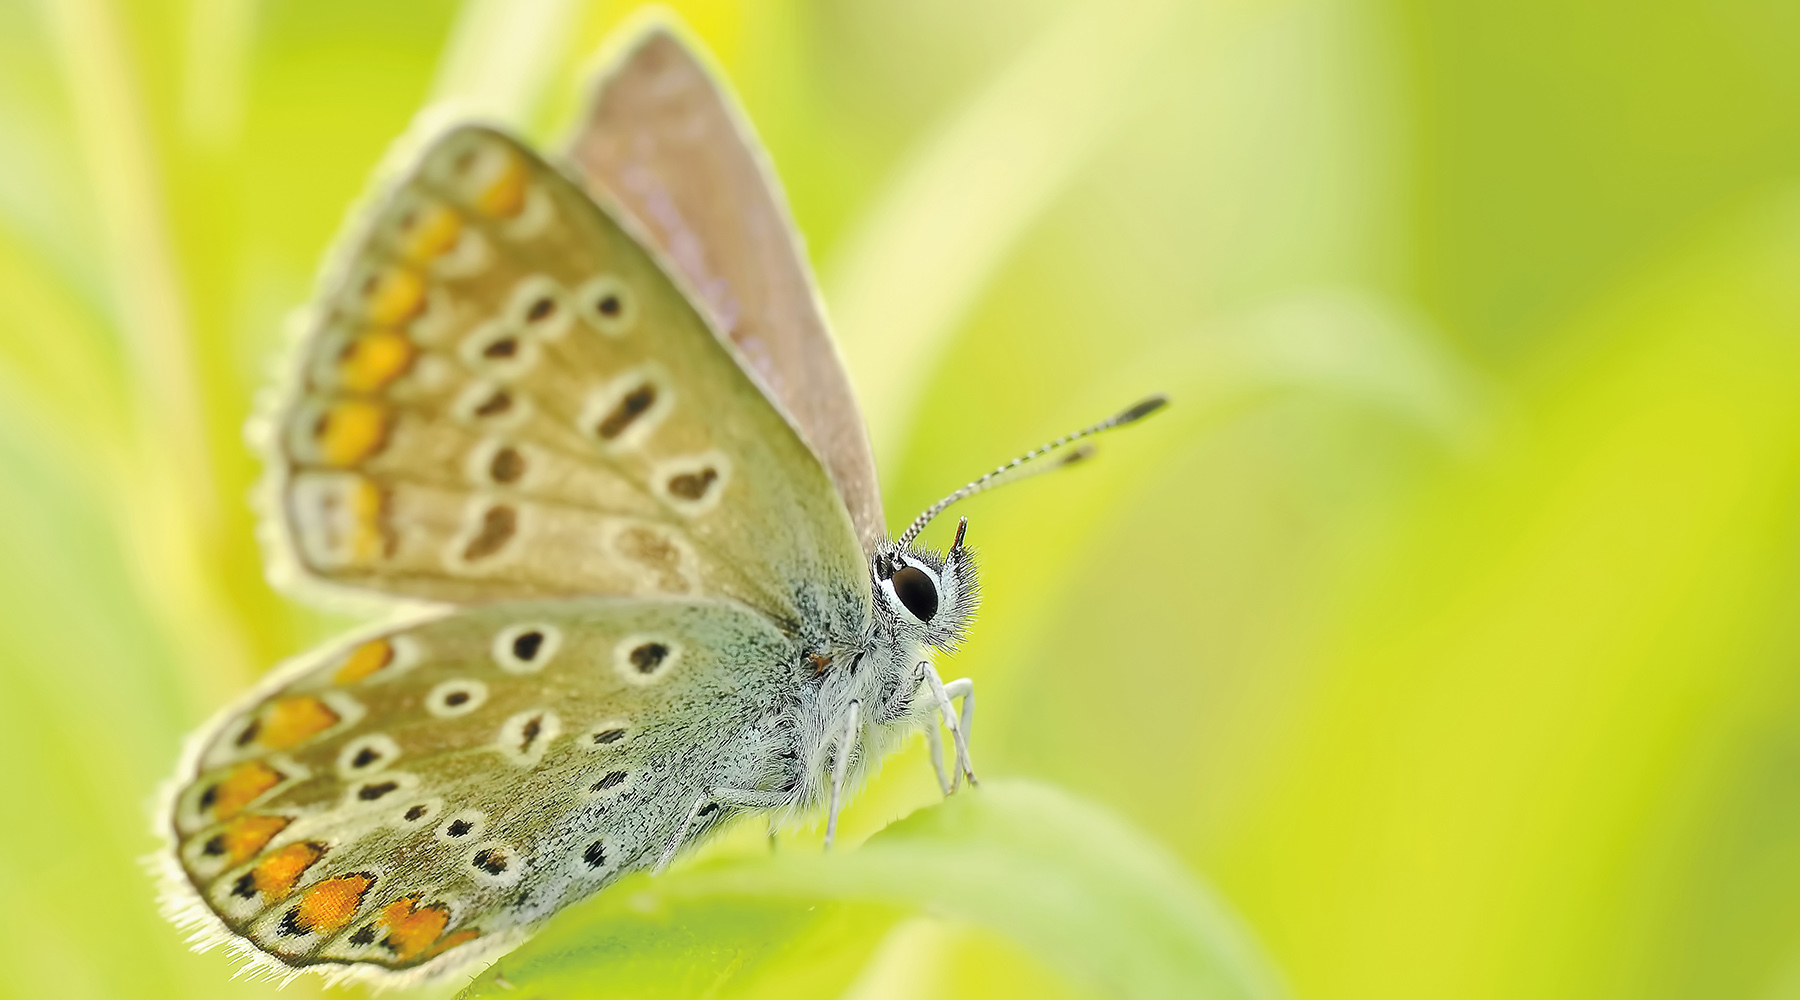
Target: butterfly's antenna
1017 469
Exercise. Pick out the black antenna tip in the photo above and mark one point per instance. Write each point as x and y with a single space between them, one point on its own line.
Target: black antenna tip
1141 409
1077 454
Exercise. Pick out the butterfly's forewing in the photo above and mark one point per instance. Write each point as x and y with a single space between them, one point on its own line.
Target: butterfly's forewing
663 138
503 395
441 789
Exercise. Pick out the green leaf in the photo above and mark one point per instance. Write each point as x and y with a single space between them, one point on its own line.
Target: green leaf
1072 884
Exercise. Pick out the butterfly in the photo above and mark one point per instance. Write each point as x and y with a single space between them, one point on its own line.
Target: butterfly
593 425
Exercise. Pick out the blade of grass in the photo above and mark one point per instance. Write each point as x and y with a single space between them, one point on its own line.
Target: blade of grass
501 55
922 254
1083 892
169 517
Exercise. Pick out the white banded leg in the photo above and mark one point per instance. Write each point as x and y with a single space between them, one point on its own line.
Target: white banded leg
963 688
936 745
839 763
964 730
737 798
668 853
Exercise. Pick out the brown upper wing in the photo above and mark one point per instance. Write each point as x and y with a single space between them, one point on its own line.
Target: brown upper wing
665 141
503 396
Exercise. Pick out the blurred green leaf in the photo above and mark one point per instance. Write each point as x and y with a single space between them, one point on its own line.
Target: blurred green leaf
640 940
1078 888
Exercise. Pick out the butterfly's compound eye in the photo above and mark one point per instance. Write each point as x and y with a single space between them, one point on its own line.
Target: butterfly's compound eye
916 592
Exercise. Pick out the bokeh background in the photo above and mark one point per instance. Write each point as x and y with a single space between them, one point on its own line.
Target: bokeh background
1449 624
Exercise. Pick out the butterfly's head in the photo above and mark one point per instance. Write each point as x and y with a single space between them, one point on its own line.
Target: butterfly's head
927 596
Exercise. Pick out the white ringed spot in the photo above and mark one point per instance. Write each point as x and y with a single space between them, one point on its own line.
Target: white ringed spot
459 696
490 528
642 660
366 755
421 812
380 791
692 484
464 827
540 308
527 735
488 405
526 648
500 463
607 303
499 350
495 863
593 859
622 413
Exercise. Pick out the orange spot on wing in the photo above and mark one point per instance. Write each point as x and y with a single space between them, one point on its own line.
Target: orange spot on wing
430 231
393 296
275 875
245 784
373 360
291 721
350 431
328 906
363 661
411 929
504 196
243 837
369 538
460 937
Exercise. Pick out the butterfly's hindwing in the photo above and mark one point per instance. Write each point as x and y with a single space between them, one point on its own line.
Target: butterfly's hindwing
505 396
351 814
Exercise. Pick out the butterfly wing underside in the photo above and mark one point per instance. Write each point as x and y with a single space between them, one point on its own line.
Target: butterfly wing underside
347 816
503 395
665 140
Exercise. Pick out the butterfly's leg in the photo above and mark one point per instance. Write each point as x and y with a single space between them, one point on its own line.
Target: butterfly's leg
737 798
936 745
750 798
964 688
839 763
668 853
964 765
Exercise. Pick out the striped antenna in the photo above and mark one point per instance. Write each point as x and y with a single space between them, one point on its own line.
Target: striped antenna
1018 469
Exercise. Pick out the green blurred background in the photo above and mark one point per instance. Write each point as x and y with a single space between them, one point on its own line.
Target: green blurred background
1449 625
